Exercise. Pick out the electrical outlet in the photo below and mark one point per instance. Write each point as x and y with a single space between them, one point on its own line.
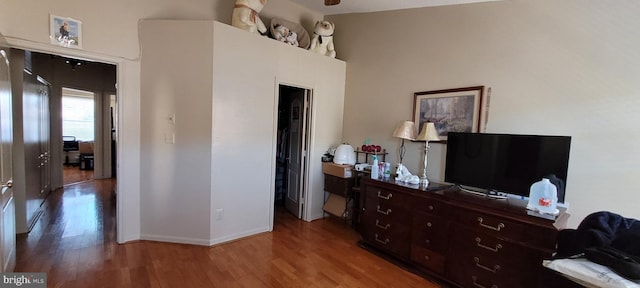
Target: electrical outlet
219 214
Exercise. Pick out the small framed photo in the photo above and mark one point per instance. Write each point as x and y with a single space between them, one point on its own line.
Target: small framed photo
65 32
451 110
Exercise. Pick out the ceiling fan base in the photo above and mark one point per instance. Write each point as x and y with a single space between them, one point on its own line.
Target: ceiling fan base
331 2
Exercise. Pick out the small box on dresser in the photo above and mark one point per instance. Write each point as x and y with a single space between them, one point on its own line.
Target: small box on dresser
338 170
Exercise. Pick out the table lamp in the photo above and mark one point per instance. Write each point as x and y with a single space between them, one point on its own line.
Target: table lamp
428 133
405 130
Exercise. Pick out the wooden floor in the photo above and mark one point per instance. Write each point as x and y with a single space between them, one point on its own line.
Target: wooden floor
74 243
73 174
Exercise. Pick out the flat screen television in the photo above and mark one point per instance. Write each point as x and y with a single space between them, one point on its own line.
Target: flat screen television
506 163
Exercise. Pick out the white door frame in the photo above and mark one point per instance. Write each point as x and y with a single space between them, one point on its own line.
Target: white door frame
121 227
309 143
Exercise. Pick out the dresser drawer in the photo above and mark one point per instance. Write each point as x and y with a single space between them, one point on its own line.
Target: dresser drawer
391 236
429 231
387 210
429 259
542 237
492 225
504 228
387 196
477 243
480 271
423 204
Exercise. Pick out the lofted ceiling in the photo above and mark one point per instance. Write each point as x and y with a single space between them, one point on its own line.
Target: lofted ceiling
360 6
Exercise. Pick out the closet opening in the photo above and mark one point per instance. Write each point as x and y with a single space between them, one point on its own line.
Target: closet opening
294 122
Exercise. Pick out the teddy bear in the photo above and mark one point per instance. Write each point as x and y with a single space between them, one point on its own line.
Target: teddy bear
283 34
322 42
245 16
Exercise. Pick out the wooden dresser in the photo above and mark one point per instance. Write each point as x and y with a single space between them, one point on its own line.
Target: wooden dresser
460 238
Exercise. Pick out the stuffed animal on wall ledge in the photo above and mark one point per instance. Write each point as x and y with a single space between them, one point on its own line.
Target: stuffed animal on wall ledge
283 34
322 41
245 16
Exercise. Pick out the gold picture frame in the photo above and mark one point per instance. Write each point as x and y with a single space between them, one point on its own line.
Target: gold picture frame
451 110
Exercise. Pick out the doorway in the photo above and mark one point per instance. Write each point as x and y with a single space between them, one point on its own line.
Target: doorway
128 216
78 135
95 82
294 119
80 104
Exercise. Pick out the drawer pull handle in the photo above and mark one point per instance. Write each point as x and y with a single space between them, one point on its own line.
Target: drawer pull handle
498 246
429 224
383 212
428 242
385 227
494 270
475 283
498 228
430 207
426 258
385 242
384 197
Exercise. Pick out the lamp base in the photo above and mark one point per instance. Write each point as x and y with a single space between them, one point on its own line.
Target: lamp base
424 181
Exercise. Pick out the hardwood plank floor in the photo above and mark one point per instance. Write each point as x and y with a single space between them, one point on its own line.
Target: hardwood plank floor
73 174
74 243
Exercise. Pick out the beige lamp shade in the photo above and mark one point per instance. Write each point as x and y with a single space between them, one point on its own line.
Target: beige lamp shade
428 133
406 130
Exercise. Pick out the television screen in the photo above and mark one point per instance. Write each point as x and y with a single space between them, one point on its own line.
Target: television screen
507 163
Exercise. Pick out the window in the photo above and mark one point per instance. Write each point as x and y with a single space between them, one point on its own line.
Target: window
78 114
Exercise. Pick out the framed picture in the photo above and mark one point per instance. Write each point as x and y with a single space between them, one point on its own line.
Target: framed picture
65 31
451 110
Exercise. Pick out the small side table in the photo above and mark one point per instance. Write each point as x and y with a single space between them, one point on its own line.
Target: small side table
86 162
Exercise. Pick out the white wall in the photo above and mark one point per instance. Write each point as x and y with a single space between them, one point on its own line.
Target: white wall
243 133
111 27
175 179
244 126
555 67
224 96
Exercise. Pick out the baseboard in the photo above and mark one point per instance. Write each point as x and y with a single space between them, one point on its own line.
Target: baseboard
173 239
238 236
203 242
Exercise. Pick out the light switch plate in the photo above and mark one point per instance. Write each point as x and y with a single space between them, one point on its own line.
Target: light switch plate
169 137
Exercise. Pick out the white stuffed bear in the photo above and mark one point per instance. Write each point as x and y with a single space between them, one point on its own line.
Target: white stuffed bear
245 16
322 42
283 34
403 175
